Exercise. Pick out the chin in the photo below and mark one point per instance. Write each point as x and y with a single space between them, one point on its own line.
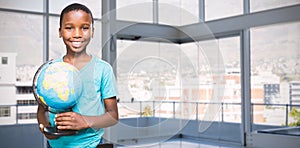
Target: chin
77 50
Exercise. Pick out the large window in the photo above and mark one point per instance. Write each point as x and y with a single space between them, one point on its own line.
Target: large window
260 5
216 9
178 12
138 74
22 34
135 10
30 5
275 68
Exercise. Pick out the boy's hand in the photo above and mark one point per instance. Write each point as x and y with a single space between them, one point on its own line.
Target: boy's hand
70 121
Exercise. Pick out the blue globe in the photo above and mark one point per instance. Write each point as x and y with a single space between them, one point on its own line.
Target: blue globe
58 85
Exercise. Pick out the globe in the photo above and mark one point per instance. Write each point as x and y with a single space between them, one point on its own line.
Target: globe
58 85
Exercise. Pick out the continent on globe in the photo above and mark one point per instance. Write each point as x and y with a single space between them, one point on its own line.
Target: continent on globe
58 85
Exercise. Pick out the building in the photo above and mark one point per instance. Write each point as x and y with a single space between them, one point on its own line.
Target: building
295 93
271 93
17 103
7 88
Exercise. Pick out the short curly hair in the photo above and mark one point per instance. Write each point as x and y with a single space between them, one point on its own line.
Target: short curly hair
75 7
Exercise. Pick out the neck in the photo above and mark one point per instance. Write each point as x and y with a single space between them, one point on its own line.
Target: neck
77 60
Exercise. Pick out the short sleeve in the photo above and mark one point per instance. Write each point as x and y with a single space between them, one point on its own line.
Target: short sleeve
108 83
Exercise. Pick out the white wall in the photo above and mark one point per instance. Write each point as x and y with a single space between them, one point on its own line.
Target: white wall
8 85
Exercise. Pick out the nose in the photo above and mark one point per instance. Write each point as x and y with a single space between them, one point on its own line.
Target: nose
77 33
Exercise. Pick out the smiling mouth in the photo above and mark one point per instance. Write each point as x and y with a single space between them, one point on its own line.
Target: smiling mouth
76 44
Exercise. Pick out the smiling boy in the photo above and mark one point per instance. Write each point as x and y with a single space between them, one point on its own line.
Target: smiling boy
97 107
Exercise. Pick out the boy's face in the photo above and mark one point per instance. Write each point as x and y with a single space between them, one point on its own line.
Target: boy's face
76 30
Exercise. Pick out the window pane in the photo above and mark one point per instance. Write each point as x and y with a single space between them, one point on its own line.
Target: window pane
4 60
56 6
135 10
229 50
22 34
30 5
275 68
259 5
57 46
178 12
216 9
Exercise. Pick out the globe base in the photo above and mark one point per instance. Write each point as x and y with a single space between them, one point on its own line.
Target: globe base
52 130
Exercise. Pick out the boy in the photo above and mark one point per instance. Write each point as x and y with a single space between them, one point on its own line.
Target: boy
97 107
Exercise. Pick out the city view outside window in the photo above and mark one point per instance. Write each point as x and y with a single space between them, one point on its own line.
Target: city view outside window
166 80
275 73
145 82
25 31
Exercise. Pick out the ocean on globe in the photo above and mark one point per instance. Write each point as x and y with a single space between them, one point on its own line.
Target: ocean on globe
58 85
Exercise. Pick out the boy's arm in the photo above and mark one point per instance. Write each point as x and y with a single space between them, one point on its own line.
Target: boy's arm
43 121
110 118
75 121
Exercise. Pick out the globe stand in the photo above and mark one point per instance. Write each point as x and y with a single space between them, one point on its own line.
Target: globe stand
52 130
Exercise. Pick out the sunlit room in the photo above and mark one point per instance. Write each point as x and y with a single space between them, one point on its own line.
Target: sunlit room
187 73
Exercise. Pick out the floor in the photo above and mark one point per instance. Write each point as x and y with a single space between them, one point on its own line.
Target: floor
186 143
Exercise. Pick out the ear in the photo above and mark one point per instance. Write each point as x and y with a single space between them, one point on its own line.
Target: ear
59 32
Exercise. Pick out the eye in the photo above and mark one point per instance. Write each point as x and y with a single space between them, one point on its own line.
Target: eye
85 27
68 28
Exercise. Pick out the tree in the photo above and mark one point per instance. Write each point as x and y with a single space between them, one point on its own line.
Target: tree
147 111
296 115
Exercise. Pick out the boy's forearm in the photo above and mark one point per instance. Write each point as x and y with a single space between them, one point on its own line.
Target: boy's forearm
42 117
108 119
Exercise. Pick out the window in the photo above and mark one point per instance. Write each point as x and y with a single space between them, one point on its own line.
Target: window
30 5
178 12
22 34
135 10
216 9
4 60
275 65
22 116
260 5
26 102
4 111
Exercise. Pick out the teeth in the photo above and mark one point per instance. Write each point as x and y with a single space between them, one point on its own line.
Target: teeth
76 43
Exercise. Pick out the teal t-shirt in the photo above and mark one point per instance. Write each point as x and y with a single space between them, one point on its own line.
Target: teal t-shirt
98 84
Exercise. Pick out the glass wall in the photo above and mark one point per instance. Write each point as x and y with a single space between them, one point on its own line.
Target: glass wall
29 5
216 9
275 70
142 55
135 10
178 12
260 5
23 34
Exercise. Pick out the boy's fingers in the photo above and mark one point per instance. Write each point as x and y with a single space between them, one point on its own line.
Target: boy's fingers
42 128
